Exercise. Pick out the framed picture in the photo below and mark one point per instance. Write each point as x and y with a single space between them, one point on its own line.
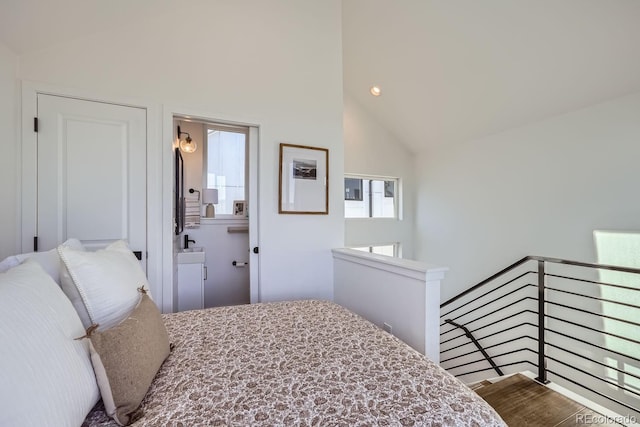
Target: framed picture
304 180
239 208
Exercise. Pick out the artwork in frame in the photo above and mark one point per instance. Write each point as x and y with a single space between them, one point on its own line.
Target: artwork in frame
239 208
304 180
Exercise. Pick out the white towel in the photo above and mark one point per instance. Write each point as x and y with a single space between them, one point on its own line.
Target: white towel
191 213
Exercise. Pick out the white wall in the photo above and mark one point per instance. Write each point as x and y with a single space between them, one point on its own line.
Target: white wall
193 161
225 284
369 149
273 63
401 296
8 158
540 189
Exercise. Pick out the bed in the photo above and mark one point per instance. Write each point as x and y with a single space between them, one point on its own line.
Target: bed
298 363
302 363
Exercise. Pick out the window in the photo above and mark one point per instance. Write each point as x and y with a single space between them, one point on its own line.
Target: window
225 164
353 189
392 250
370 197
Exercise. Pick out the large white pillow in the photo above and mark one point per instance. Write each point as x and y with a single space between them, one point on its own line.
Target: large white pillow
8 262
48 260
46 377
106 281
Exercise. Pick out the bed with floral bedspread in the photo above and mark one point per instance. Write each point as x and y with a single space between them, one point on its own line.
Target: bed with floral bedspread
298 363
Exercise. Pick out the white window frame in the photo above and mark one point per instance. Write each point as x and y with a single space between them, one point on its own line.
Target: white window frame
205 161
396 197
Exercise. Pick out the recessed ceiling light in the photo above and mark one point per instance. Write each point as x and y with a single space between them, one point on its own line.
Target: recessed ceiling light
375 90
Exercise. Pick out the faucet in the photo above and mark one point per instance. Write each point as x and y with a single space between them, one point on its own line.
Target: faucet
187 240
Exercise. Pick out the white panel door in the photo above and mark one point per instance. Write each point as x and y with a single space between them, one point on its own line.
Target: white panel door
91 166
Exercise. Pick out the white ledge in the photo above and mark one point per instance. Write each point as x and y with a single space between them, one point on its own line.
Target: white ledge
405 267
223 221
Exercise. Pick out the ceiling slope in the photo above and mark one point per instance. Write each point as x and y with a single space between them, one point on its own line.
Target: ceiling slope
454 71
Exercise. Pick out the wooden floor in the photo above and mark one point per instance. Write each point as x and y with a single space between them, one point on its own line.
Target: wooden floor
520 401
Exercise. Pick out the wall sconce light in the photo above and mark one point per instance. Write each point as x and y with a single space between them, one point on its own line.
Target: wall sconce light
210 198
186 145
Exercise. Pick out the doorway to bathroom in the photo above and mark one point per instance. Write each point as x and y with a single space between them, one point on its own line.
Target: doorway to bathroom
220 205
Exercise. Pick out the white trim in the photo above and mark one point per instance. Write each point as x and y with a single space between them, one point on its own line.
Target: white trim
169 261
404 267
254 213
224 221
155 197
244 130
28 180
399 199
17 119
189 113
88 95
29 93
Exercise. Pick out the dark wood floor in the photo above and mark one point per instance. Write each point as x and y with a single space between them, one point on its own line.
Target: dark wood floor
520 401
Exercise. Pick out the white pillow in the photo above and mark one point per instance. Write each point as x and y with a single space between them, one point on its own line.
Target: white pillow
106 281
69 289
46 376
8 262
49 260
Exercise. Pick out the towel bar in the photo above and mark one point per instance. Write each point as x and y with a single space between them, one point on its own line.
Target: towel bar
237 229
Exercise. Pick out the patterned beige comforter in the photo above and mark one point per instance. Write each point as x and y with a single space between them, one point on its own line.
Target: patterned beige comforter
303 363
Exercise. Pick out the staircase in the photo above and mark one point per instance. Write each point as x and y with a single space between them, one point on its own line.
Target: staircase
574 324
521 401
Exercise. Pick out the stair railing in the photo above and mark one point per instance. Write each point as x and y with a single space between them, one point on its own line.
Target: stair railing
558 317
475 342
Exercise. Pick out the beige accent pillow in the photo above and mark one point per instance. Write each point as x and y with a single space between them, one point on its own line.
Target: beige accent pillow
127 357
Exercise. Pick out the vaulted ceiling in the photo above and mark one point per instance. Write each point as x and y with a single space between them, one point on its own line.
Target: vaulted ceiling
454 71
450 71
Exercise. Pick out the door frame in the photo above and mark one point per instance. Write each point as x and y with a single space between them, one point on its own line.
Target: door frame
169 264
27 184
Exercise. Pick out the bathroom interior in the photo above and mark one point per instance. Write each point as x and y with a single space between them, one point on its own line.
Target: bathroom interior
212 176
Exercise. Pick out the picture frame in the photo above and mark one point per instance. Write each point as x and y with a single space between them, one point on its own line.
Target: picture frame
303 180
239 208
